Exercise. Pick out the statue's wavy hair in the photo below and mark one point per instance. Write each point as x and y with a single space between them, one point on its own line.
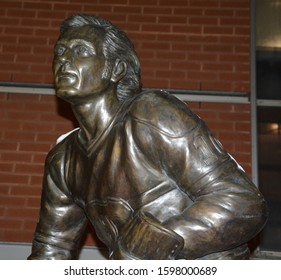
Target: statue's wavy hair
116 45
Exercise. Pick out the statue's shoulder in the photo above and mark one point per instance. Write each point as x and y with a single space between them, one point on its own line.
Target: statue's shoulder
163 111
62 147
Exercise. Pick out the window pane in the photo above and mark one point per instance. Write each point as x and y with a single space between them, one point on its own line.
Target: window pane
268 46
269 153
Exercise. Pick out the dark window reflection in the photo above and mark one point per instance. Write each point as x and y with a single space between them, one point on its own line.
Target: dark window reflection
268 73
269 153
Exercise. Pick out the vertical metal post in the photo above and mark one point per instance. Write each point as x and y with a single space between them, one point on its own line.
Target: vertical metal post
253 94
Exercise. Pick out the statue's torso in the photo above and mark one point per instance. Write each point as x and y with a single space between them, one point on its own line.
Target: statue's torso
114 179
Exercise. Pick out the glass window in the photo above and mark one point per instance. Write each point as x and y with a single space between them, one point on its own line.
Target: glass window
269 168
268 83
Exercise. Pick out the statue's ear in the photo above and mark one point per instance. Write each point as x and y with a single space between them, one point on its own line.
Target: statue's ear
119 70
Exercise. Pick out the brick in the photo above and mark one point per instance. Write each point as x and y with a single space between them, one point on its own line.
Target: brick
11 224
22 98
28 77
46 138
218 48
234 76
8 146
243 148
218 30
204 39
36 180
16 235
66 7
142 18
221 13
34 147
6 167
157 10
217 107
202 75
186 47
217 67
19 136
33 202
166 74
6 76
187 29
14 179
235 116
240 31
243 126
2 211
37 6
180 84
204 3
15 157
29 225
202 57
234 21
235 137
143 2
20 191
234 40
38 127
5 21
114 2
28 169
155 28
221 126
242 4
195 66
10 4
208 116
4 190
21 13
31 58
12 201
172 19
204 20
23 116
35 22
12 67
171 55
128 10
157 45
157 83
32 40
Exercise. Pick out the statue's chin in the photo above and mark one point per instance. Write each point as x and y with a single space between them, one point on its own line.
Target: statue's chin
65 92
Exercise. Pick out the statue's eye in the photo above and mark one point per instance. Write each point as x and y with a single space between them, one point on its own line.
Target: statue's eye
59 50
82 51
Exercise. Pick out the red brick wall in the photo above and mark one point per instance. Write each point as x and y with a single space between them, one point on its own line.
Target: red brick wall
183 44
190 44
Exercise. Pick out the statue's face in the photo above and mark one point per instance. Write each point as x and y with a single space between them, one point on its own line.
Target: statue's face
79 64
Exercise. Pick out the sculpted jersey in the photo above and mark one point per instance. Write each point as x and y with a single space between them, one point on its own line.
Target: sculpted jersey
156 170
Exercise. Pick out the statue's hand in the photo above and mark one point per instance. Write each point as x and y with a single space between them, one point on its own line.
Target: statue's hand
146 238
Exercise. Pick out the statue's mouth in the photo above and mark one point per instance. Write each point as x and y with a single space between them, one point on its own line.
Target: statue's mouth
66 75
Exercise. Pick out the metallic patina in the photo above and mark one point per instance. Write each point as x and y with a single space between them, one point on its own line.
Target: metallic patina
142 168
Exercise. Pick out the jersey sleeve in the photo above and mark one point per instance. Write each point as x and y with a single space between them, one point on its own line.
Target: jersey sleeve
228 209
61 221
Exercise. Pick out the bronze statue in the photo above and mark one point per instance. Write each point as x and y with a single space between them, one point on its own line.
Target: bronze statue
142 168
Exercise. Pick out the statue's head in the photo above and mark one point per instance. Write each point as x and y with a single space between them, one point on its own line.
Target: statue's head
109 48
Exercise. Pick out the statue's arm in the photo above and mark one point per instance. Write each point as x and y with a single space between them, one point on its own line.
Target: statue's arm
228 209
61 221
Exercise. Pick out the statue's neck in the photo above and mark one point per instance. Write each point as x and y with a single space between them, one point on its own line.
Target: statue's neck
95 115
